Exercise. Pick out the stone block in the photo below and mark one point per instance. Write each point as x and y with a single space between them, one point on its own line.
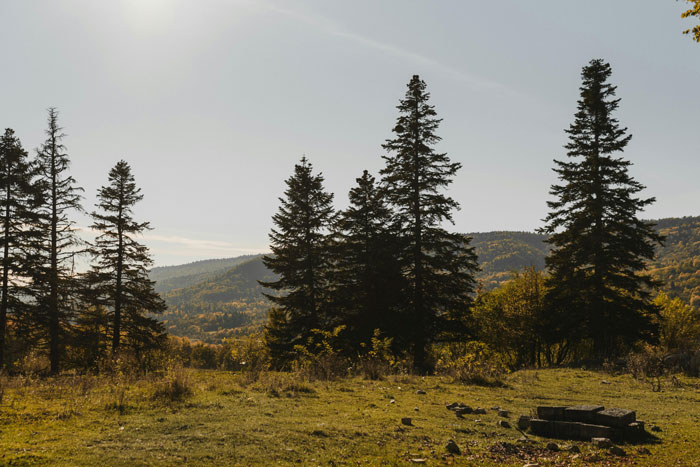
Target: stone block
582 413
550 413
541 427
619 418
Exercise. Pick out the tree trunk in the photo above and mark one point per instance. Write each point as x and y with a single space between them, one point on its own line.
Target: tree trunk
54 332
5 274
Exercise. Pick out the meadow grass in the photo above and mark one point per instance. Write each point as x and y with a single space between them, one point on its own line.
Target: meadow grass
223 418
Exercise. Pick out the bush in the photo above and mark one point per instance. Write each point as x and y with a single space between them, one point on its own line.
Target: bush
471 363
175 387
378 360
680 324
647 366
320 358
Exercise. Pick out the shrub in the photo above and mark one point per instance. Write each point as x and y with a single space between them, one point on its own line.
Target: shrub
680 324
647 365
471 363
175 387
320 357
378 360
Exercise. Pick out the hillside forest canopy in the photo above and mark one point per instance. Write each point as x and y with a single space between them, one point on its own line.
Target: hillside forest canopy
383 283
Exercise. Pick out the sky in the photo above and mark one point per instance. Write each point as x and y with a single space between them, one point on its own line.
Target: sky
212 102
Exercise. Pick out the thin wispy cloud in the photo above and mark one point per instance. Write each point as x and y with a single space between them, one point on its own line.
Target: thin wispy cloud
329 27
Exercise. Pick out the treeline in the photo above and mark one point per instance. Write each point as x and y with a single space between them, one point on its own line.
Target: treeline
385 268
47 309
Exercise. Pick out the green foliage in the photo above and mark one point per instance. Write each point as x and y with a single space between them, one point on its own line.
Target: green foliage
693 12
320 357
19 200
598 290
438 266
54 283
471 362
679 324
301 259
118 280
365 277
512 320
377 359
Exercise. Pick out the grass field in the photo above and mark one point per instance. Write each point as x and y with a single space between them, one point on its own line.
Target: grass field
227 420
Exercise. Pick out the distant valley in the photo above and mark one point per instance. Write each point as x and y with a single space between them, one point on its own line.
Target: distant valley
214 299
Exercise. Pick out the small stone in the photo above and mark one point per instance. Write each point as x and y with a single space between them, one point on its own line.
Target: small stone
503 424
463 410
525 440
503 413
415 409
552 447
407 421
618 451
575 449
495 407
479 411
420 392
531 465
601 442
605 382
452 447
392 401
654 428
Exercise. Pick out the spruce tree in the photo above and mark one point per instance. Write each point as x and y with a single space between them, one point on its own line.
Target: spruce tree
366 278
439 266
301 258
19 199
597 289
54 280
118 278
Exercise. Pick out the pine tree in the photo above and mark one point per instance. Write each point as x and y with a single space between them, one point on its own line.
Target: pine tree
598 291
301 258
54 280
19 198
366 278
119 277
439 266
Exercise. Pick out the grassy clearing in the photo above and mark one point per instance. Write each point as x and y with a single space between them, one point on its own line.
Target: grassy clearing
220 418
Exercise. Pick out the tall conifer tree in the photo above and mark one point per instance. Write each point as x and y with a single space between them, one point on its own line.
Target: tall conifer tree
598 291
54 280
439 266
366 278
19 198
119 278
300 255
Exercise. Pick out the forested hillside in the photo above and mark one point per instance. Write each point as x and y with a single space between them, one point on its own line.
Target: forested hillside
678 262
221 298
176 277
502 252
222 305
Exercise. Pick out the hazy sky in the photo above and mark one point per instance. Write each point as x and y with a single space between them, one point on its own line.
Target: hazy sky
213 102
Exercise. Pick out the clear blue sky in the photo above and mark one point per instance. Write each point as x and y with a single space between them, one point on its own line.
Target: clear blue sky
213 101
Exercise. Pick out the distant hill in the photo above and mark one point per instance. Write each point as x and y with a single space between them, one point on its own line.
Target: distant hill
176 277
219 300
502 252
223 304
678 262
